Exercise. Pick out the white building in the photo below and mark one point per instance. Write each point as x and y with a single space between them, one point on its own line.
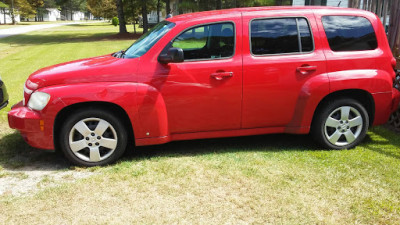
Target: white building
75 15
152 17
52 15
7 17
49 15
340 3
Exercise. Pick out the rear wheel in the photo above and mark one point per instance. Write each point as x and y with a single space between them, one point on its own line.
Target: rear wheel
93 137
340 124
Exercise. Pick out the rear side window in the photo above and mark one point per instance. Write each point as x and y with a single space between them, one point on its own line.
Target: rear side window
206 42
349 33
280 36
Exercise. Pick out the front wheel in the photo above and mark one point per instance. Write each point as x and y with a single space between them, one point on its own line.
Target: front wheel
93 137
340 124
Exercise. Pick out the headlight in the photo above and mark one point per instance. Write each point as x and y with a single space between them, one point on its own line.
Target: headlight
38 100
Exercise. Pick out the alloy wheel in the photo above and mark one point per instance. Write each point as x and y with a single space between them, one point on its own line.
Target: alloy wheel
343 126
93 139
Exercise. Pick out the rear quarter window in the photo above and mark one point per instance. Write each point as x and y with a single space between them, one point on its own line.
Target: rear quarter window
349 33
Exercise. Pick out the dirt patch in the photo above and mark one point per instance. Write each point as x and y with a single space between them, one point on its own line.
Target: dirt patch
29 180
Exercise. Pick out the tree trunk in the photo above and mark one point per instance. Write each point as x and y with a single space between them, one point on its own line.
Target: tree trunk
121 17
158 11
180 10
134 18
219 4
4 11
168 6
13 13
144 15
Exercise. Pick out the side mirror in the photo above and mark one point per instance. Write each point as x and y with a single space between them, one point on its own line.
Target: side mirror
172 55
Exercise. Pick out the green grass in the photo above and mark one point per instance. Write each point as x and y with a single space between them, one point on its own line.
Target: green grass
278 179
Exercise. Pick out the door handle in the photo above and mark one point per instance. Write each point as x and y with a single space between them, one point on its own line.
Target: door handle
221 75
306 69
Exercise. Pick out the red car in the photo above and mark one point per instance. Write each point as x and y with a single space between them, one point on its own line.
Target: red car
324 71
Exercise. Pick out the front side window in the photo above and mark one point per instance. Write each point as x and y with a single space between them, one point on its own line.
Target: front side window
280 36
349 33
211 41
147 40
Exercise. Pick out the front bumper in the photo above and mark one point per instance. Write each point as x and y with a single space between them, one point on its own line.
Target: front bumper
31 126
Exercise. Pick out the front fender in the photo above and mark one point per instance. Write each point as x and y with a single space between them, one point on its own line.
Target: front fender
122 94
152 113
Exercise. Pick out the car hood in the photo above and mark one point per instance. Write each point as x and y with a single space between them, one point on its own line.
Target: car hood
98 69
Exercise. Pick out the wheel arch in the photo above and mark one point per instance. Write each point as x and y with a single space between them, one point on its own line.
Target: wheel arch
362 96
107 106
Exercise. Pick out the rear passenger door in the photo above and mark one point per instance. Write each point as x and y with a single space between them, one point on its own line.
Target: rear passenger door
282 58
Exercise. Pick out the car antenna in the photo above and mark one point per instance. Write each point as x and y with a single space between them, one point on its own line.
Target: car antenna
339 3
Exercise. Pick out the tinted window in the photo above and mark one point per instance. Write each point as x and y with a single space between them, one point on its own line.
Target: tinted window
280 35
349 33
207 42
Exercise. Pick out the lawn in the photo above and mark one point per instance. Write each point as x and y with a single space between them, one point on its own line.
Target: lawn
278 179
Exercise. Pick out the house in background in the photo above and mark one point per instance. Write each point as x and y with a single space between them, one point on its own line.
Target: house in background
174 6
6 17
152 17
48 15
340 3
52 15
75 15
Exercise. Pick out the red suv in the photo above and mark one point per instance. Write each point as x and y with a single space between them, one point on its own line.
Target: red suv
324 71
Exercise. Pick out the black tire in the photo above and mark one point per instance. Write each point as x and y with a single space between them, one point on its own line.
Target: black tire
100 153
339 137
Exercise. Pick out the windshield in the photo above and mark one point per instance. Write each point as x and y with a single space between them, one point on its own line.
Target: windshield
146 41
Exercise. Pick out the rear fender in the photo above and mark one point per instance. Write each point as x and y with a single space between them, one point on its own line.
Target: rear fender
311 93
376 82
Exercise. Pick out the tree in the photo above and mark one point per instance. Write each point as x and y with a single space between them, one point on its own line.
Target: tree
24 8
168 6
71 6
121 17
144 15
37 5
102 8
3 8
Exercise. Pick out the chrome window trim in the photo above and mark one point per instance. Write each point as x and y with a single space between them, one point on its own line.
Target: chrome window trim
205 24
289 53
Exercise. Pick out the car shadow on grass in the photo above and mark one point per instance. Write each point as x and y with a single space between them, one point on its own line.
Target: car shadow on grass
259 143
16 155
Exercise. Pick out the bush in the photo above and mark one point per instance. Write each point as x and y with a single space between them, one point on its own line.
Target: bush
115 21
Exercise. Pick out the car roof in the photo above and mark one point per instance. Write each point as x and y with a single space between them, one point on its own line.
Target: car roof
206 14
